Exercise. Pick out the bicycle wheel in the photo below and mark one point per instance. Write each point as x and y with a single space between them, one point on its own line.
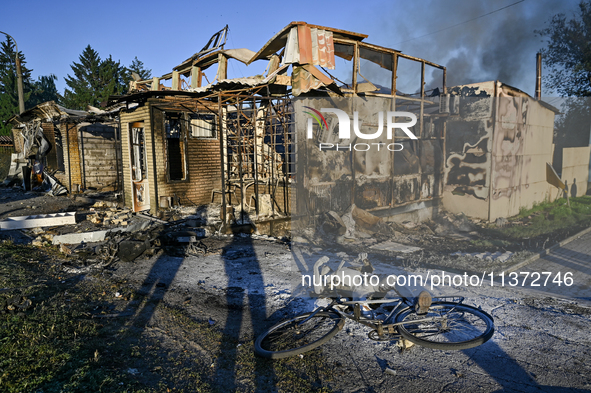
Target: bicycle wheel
298 335
446 326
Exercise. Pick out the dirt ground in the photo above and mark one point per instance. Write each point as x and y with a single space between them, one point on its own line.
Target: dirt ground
244 284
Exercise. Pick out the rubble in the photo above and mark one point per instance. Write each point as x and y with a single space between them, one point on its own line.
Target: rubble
82 237
333 224
487 256
184 243
501 222
15 304
131 249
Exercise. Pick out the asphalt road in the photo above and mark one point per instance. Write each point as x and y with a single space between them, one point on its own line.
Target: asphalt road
541 341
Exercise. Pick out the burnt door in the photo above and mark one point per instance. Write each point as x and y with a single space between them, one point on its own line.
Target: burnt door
139 167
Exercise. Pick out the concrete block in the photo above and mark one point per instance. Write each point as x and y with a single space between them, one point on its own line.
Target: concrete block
77 238
41 220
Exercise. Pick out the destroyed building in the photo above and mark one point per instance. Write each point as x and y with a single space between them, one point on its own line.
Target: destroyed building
195 136
499 141
77 150
233 140
485 161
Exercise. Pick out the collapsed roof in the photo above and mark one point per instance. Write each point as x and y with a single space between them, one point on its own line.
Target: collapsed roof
309 51
50 111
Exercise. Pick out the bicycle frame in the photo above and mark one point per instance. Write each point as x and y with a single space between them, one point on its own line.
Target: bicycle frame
374 323
446 323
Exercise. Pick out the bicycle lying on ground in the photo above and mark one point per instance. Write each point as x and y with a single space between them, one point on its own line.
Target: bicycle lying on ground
440 323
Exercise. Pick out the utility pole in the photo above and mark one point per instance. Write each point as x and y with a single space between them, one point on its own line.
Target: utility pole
538 93
19 77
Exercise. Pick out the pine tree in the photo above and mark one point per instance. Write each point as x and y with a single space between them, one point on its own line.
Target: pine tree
94 80
43 90
137 66
86 81
112 77
8 83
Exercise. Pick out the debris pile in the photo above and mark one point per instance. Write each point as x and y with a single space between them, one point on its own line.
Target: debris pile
126 236
108 214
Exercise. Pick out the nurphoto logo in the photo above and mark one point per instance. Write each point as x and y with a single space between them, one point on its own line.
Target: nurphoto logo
344 129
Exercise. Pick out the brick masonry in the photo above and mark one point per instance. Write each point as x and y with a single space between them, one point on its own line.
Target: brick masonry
202 160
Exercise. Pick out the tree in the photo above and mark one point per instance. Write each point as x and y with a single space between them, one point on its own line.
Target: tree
137 66
568 54
112 79
43 90
85 82
8 83
94 80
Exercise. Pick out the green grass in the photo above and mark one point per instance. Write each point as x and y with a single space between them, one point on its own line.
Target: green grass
549 217
57 345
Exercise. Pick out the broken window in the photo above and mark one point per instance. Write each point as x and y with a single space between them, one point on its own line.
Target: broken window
408 77
343 65
203 125
375 71
175 146
59 150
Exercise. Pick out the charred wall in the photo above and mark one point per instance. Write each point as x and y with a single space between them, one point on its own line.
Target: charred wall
497 143
377 175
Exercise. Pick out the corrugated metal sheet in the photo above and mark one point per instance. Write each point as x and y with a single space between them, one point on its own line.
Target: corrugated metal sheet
307 45
245 81
279 41
322 48
47 111
303 81
292 49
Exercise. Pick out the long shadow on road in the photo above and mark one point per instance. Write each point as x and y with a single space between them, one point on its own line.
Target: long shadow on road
507 372
241 252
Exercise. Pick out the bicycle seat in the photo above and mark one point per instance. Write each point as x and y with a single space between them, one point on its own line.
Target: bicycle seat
415 295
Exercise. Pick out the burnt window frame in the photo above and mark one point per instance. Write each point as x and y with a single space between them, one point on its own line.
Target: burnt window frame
59 149
179 117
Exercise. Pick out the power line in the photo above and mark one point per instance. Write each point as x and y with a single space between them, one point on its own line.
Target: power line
232 63
458 24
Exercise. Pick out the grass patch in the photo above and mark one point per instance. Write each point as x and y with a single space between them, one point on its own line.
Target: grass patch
68 341
549 217
54 345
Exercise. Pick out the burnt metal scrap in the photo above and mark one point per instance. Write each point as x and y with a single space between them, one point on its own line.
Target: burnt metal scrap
127 246
48 136
183 243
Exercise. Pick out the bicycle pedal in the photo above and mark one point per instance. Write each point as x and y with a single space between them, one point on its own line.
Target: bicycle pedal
423 303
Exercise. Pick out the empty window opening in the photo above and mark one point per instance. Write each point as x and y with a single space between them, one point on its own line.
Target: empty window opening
175 146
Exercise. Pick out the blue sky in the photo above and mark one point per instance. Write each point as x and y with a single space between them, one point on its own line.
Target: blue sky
162 34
